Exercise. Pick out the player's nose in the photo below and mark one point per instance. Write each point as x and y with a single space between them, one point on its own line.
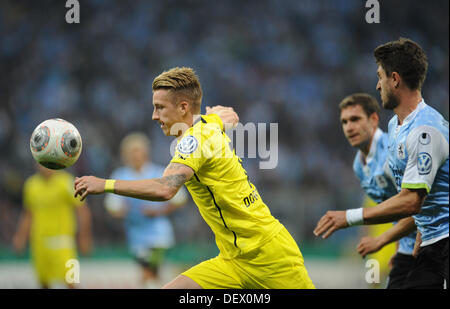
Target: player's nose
155 115
378 87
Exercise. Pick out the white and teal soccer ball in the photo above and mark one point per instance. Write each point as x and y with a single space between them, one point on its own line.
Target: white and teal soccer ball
56 144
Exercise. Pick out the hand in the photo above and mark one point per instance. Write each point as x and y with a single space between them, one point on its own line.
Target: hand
88 185
330 222
229 117
19 244
368 245
391 261
85 245
417 244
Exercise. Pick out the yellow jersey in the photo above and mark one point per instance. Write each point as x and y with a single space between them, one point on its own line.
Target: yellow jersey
227 200
51 203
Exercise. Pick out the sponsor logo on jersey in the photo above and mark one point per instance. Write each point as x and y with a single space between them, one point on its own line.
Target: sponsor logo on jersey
424 138
424 163
187 145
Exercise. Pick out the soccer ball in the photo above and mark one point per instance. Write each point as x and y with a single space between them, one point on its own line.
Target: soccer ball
56 144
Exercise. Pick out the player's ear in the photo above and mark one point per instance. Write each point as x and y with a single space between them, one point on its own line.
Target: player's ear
183 108
396 80
374 119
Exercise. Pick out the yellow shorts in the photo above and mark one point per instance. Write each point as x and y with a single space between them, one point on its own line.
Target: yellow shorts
278 264
50 263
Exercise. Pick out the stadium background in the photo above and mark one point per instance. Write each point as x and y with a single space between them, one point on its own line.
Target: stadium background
287 62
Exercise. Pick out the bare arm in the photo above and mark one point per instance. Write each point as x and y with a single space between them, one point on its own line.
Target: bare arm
406 203
23 230
173 204
85 230
373 244
155 189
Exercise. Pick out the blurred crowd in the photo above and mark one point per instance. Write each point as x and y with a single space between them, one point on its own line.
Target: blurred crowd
288 62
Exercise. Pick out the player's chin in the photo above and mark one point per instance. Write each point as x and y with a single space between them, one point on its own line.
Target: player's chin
165 130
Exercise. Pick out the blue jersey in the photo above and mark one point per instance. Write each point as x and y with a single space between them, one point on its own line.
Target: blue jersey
143 231
418 158
377 180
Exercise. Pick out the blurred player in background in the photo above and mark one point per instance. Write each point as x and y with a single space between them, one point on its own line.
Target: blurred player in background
256 250
148 228
418 158
49 220
359 119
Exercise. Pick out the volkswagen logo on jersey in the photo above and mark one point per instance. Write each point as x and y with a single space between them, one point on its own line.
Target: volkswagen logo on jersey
187 145
424 163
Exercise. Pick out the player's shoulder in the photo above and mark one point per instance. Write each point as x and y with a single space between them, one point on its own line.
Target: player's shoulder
427 115
425 134
206 125
31 180
205 130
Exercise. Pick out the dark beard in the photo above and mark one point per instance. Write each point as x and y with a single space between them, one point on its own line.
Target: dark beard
391 103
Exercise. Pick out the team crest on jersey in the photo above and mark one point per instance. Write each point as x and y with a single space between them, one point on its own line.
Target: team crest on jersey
424 163
424 138
401 151
187 145
381 181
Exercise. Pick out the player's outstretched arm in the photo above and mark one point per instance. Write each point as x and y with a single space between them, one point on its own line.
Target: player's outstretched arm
369 244
406 203
155 189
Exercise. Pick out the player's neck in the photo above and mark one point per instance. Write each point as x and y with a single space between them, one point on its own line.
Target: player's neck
365 147
408 102
187 122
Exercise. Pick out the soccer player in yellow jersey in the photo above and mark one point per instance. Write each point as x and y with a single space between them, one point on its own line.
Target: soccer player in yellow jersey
256 251
49 219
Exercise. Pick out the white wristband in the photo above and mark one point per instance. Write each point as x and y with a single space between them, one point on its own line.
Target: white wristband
354 216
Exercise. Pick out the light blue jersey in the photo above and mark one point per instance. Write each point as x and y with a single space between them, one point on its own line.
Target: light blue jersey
418 158
377 180
143 231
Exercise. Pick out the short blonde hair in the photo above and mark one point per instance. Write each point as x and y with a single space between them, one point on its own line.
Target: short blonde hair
183 83
132 140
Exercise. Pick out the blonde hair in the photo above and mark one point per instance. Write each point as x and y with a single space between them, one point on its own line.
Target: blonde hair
132 140
183 83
